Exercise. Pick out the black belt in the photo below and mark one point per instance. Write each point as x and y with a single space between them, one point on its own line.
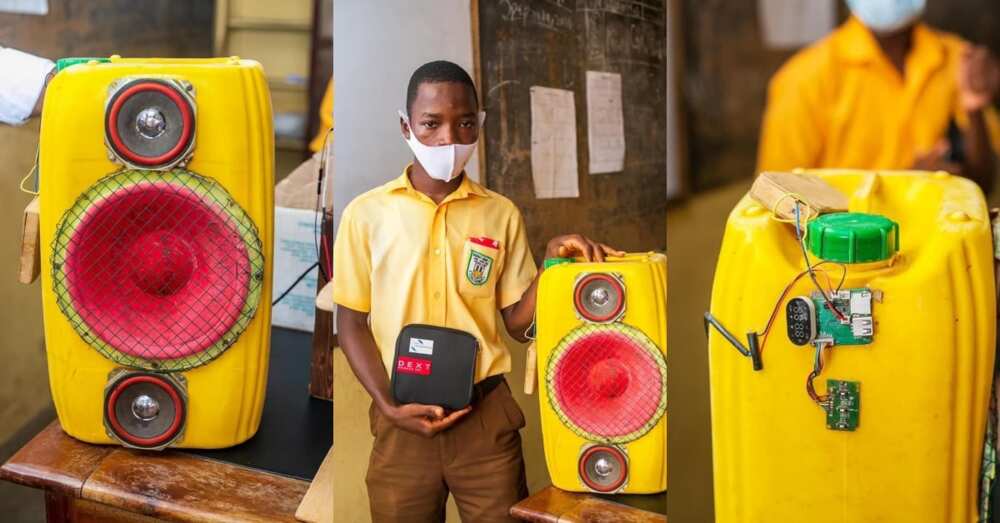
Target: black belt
484 387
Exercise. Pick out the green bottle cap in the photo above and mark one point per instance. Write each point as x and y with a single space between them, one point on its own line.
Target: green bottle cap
556 261
853 237
63 63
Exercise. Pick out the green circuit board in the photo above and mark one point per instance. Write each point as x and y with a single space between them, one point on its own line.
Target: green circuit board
844 409
853 304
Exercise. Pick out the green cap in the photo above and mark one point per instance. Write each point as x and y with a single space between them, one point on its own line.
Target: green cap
853 237
63 63
556 261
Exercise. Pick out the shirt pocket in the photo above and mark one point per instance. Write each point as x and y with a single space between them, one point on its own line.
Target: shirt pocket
479 267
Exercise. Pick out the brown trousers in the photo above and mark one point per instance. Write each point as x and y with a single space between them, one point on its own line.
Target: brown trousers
478 460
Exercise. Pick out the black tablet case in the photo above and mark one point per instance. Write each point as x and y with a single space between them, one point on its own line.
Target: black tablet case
434 366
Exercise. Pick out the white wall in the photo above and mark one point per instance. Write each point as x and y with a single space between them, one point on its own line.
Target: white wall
379 44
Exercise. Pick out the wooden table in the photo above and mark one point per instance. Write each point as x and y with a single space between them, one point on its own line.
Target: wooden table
553 505
261 480
85 483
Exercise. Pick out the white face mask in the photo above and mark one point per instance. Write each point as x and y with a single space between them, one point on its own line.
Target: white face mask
442 162
887 16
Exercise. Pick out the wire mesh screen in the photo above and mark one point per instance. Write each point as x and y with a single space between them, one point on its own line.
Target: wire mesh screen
607 383
157 270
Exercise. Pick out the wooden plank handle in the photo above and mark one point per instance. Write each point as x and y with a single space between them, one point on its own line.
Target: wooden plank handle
30 256
530 364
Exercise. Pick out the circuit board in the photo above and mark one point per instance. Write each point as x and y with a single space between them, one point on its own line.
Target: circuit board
854 326
844 409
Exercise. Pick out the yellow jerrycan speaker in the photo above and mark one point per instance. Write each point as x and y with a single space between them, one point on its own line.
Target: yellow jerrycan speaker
602 343
852 352
156 191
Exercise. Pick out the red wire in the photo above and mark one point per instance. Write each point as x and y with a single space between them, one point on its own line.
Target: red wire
777 305
329 257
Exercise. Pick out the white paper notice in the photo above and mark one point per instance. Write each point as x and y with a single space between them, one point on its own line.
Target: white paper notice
553 143
788 24
30 7
605 122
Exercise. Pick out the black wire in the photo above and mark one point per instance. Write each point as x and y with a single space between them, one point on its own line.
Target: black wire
296 282
318 228
319 209
711 321
316 241
800 237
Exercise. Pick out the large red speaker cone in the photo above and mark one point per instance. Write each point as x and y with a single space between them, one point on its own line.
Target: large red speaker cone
608 383
158 269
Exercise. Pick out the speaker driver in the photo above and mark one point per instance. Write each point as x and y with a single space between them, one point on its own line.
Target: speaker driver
603 468
600 298
150 123
607 383
144 410
157 270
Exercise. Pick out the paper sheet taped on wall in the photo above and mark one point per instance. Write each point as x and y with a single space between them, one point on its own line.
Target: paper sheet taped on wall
788 24
30 7
294 251
553 143
605 122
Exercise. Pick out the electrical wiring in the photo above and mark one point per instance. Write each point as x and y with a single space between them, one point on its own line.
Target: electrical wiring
296 282
784 294
755 349
319 218
801 237
31 172
822 401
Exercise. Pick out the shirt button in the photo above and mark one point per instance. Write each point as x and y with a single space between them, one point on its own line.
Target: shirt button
437 252
437 295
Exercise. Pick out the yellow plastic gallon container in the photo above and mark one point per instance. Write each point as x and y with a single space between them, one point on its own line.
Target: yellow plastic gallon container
871 397
602 373
156 193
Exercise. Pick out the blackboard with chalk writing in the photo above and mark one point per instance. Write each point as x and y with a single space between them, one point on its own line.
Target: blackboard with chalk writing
553 43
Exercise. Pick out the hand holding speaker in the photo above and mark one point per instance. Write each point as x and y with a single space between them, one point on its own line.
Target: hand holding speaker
569 245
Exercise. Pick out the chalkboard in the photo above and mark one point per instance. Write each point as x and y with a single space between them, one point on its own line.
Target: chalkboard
553 43
138 28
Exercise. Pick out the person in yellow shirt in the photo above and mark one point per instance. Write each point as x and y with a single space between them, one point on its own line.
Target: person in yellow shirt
434 247
885 91
325 119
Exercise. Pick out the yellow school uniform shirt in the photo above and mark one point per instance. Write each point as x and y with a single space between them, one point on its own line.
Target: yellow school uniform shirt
841 103
404 260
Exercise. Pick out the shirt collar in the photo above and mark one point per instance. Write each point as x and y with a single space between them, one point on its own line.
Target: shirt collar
466 188
855 43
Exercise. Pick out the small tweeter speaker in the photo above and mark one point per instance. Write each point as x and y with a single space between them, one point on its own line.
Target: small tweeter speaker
144 410
600 298
603 468
150 123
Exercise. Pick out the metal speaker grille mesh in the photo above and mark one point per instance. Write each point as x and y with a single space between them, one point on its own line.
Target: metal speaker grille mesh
157 270
607 383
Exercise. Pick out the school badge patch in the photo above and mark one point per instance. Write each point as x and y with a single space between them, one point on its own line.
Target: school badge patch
478 268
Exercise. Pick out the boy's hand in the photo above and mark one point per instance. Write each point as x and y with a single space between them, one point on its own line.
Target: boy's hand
936 159
978 78
425 420
570 245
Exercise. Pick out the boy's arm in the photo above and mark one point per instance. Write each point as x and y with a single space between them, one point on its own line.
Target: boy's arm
978 84
364 358
518 317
